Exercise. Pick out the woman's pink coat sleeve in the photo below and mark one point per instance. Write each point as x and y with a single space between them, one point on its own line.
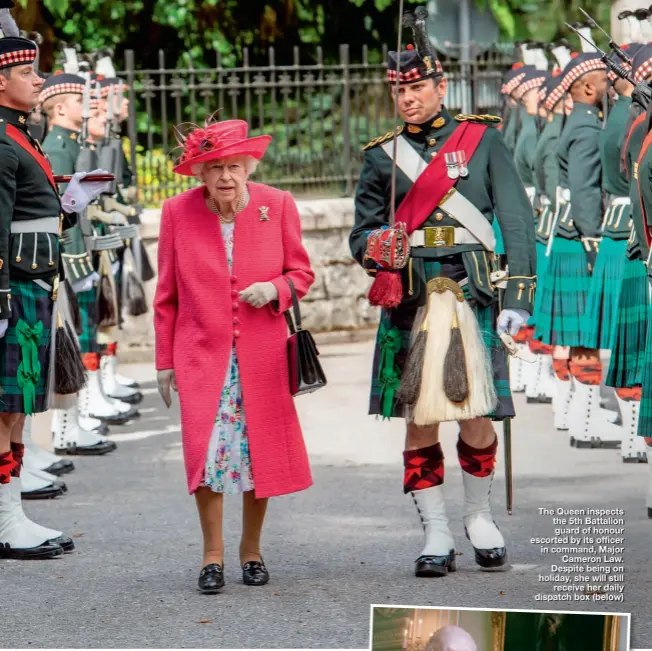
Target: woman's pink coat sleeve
296 263
165 300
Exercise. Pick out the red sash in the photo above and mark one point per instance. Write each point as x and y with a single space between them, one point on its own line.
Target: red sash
433 184
646 145
20 139
628 137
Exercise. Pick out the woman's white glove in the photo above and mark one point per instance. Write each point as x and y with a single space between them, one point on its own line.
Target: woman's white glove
4 323
166 380
86 284
78 195
510 321
259 294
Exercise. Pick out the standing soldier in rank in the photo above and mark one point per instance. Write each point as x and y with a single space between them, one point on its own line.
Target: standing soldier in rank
574 245
31 216
62 102
453 175
627 361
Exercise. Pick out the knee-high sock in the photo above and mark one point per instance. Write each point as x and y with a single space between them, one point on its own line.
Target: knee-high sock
18 450
7 465
424 468
586 370
561 369
630 394
479 462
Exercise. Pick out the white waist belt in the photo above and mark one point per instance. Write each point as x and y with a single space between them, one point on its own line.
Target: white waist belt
531 191
620 201
43 225
462 236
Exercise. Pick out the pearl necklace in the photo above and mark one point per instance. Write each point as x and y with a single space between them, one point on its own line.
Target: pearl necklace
212 206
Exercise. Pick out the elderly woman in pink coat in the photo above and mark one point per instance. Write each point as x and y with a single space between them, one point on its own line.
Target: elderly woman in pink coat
229 251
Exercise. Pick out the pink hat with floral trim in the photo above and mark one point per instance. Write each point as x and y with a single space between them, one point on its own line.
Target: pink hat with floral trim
218 140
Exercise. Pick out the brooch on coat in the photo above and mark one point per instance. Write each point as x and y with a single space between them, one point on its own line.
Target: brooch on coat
264 216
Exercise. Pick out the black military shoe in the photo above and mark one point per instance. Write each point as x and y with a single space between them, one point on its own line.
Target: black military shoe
255 573
64 542
46 550
433 566
62 467
211 579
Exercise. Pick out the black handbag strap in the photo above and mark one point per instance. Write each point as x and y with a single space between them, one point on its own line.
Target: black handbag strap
293 324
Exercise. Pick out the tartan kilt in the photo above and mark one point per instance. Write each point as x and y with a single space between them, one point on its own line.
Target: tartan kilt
630 330
32 304
88 309
542 263
564 289
645 410
403 318
602 300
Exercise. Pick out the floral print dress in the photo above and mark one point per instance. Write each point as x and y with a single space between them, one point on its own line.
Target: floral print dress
228 463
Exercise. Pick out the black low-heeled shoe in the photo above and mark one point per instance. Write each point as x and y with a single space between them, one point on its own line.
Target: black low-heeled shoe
435 566
255 573
211 579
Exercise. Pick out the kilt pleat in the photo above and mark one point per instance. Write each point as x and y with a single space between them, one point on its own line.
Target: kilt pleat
630 329
645 411
403 318
602 299
30 304
563 289
88 309
542 263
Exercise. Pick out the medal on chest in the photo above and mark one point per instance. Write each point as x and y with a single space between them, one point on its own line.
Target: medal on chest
456 164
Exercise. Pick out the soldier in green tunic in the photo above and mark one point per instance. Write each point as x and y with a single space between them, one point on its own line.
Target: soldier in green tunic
627 342
447 253
511 112
61 100
573 249
546 178
31 216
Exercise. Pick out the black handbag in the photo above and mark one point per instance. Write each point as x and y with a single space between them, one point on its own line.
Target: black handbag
306 373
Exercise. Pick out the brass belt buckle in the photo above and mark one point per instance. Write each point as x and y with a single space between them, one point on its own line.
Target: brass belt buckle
437 236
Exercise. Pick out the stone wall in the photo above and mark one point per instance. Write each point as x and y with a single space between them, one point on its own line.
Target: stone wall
337 300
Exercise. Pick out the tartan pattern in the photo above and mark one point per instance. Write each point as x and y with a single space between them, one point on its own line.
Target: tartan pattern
18 450
424 468
555 95
479 462
643 71
511 85
542 263
645 410
61 89
630 329
564 288
581 69
586 370
403 319
88 310
17 57
528 85
604 289
32 304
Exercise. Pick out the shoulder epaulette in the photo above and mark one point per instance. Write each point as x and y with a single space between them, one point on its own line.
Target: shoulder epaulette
384 138
484 119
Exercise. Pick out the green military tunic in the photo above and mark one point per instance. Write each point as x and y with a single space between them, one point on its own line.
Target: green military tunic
606 280
62 147
511 127
30 214
493 187
566 281
525 150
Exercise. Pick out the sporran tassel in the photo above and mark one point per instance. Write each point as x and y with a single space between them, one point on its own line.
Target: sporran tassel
69 372
106 296
408 394
456 382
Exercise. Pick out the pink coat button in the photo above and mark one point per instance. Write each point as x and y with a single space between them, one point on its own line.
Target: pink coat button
236 333
234 293
236 321
236 306
234 279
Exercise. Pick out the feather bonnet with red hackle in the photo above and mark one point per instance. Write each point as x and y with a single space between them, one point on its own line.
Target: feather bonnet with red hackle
216 140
